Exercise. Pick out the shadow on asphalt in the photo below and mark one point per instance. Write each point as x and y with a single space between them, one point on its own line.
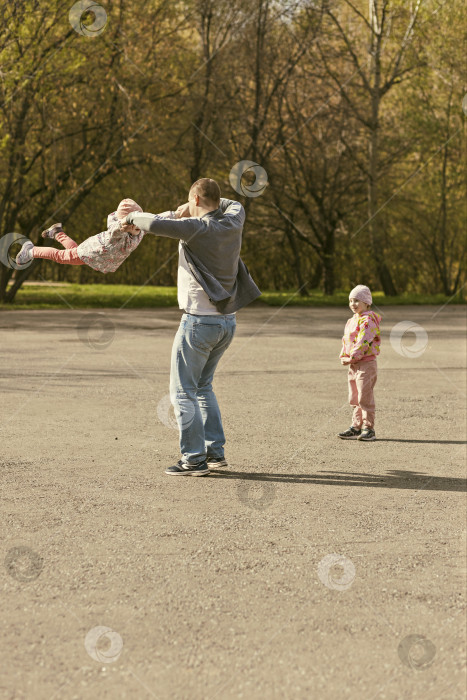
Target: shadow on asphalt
432 442
394 479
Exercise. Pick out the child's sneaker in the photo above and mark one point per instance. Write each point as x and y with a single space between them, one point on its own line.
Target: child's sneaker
52 231
350 434
25 254
367 434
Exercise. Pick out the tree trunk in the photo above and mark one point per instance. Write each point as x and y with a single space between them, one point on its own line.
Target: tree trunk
373 146
316 276
329 278
302 285
5 275
385 278
21 277
382 269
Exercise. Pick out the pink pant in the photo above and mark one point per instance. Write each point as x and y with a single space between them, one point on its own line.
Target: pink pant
362 379
69 256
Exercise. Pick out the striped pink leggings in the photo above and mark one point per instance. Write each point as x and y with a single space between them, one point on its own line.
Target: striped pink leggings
69 256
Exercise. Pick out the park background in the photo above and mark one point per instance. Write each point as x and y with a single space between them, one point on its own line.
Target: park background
310 567
354 110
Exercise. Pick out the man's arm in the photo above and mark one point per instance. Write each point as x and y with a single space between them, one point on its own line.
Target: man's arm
161 225
229 207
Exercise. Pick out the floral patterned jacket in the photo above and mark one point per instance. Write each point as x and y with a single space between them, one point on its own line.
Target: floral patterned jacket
106 251
362 337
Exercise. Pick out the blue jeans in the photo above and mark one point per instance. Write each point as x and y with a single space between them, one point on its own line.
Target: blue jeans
198 346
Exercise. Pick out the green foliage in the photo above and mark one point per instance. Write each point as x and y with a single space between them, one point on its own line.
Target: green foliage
87 296
116 296
170 92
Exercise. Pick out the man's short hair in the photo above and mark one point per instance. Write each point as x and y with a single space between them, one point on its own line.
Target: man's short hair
206 189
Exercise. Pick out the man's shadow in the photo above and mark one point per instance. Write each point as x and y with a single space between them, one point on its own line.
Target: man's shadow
430 442
393 479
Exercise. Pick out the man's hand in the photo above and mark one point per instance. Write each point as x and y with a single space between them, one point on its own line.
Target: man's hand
182 211
128 228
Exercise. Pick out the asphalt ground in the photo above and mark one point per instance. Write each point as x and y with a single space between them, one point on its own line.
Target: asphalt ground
310 567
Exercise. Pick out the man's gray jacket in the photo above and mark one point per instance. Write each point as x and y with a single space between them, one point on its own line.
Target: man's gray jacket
211 245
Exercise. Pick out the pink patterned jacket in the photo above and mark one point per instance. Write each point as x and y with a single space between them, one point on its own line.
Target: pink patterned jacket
106 251
362 337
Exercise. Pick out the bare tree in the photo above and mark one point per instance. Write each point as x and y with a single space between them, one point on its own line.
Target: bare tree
433 206
66 126
319 183
379 64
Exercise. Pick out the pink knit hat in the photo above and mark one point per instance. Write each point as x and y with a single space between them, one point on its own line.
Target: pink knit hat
126 206
361 293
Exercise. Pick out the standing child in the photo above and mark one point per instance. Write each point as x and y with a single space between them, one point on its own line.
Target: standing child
360 348
104 252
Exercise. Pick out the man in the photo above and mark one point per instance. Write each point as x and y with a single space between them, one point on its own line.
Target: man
213 283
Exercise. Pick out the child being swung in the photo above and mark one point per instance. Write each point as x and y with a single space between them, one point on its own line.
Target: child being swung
104 252
360 348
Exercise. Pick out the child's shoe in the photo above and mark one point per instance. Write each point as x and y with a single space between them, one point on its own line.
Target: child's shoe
25 254
350 434
367 434
52 231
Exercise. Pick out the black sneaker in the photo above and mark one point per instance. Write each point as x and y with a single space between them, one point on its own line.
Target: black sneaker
216 462
350 434
183 469
367 435
52 231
